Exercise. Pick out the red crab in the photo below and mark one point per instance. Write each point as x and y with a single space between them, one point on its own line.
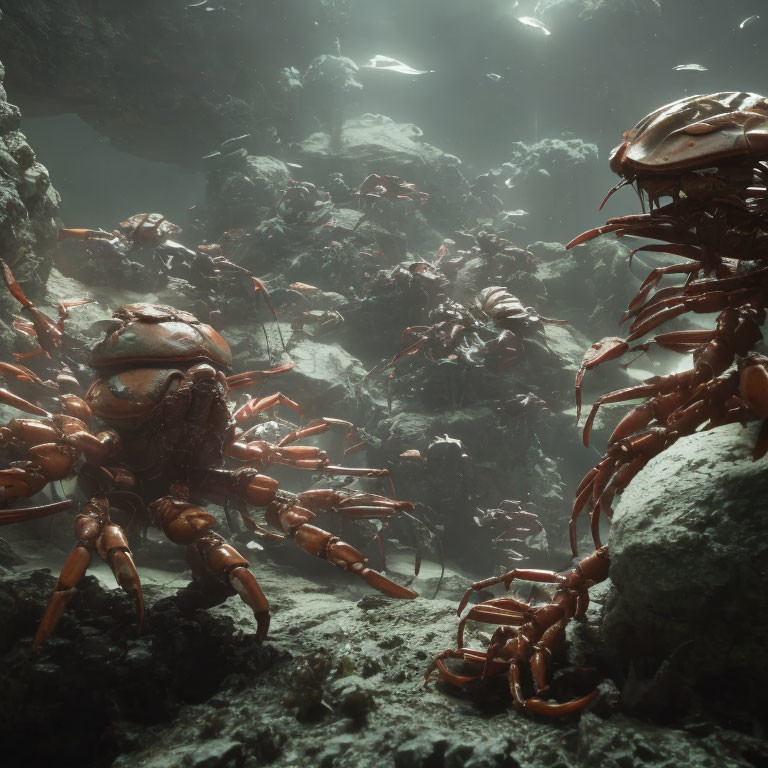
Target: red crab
530 634
709 156
156 422
141 229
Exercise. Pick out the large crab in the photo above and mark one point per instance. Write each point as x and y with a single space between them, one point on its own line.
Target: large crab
709 156
156 423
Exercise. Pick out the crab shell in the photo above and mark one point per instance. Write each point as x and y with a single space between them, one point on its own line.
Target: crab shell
156 335
695 133
146 357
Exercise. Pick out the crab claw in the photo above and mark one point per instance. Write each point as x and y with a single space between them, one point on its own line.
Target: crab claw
245 584
122 565
549 709
318 542
71 574
609 348
387 586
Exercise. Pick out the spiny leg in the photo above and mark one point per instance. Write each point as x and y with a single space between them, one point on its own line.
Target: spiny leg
210 553
95 531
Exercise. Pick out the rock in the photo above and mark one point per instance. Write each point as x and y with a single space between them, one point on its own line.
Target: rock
689 557
8 557
354 697
421 752
28 206
602 268
244 195
377 144
546 178
154 82
217 753
323 375
608 743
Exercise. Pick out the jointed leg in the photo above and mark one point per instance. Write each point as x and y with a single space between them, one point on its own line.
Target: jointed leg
95 532
209 553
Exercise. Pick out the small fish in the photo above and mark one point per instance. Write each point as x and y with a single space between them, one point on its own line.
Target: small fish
749 20
393 65
517 212
196 5
303 287
231 143
544 172
690 68
493 77
509 184
529 21
294 165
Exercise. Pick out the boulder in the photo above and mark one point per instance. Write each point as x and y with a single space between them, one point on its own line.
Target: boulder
243 191
377 144
28 203
689 558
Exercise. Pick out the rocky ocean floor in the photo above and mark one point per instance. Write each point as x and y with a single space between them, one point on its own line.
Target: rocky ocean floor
339 682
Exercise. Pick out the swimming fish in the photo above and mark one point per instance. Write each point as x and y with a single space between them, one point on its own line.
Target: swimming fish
749 20
493 77
690 68
393 65
529 21
517 212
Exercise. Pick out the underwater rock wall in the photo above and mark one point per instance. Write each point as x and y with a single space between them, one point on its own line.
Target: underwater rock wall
28 203
164 80
688 560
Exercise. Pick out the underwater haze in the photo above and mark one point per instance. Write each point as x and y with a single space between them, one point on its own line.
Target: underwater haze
383 383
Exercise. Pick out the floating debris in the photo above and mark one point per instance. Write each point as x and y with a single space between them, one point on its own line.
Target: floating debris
234 143
393 65
690 68
494 77
203 6
303 287
749 20
530 21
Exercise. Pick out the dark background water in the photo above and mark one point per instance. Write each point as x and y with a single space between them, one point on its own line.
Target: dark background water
592 78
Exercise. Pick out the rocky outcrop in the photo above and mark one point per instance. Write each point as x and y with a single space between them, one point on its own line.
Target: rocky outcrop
337 683
377 144
689 558
167 81
28 203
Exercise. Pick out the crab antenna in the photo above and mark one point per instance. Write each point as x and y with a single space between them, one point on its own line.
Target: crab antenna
622 183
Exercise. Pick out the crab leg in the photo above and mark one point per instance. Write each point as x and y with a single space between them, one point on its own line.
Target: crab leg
318 427
609 348
10 516
210 554
95 532
524 574
293 517
259 404
465 654
246 379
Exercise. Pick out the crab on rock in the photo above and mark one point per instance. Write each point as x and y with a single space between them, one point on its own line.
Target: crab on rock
156 422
